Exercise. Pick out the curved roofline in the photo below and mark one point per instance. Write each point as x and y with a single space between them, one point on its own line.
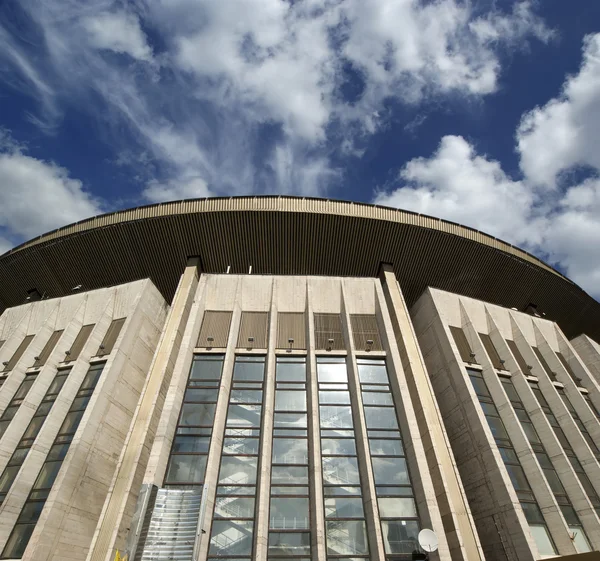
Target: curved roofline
284 203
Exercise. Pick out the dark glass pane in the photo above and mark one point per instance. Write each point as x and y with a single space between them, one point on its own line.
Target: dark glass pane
290 451
47 475
91 379
289 513
201 394
340 470
58 452
238 470
508 455
186 469
517 476
7 478
19 455
531 433
71 422
400 536
346 537
80 403
344 507
34 427
197 444
286 543
24 388
390 471
19 538
479 386
9 413
193 414
497 428
338 447
44 408
231 537
203 369
533 514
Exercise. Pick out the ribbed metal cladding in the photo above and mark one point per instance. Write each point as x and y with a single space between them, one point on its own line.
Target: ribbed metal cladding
214 331
291 330
48 348
18 353
491 351
328 332
80 341
464 348
253 332
518 357
365 332
111 337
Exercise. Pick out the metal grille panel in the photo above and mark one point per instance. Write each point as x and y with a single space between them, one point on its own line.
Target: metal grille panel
18 353
518 357
491 351
173 526
215 325
111 337
328 332
254 325
364 330
291 326
464 348
48 348
79 343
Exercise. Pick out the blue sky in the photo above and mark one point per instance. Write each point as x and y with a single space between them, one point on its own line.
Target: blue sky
485 113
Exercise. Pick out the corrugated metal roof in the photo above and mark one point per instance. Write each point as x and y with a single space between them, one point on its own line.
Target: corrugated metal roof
288 235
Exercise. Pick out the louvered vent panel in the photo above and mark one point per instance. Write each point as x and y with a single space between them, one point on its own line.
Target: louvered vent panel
48 348
18 353
171 533
463 345
518 357
568 368
111 337
79 342
254 325
544 364
491 351
215 325
291 325
328 327
365 329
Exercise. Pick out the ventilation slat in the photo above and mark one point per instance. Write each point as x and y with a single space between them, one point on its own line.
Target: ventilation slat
48 348
111 337
491 351
544 364
328 332
18 353
464 348
253 330
79 342
365 332
518 357
215 326
291 330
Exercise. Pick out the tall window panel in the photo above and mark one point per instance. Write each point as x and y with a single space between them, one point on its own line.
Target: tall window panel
560 494
345 526
33 428
588 400
566 446
579 422
187 463
533 514
19 537
289 520
16 401
397 509
233 521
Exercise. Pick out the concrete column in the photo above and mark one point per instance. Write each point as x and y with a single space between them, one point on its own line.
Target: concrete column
376 546
128 476
589 352
317 512
459 526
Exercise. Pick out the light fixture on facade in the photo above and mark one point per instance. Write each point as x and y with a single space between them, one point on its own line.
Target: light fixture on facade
250 341
209 340
329 344
369 344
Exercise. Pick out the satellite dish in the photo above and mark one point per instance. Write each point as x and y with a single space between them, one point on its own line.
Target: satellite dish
428 540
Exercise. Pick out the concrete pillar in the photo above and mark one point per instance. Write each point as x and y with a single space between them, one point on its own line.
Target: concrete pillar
458 524
128 476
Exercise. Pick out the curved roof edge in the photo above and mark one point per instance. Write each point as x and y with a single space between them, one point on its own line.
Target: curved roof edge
282 203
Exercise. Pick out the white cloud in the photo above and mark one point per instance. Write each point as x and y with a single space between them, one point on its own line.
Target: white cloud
119 32
566 131
37 196
192 188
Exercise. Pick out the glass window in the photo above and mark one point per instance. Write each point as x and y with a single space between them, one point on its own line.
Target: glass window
8 476
240 446
290 400
400 507
289 543
377 398
290 420
386 447
508 455
289 490
47 475
207 368
243 415
289 513
532 512
372 373
34 427
340 471
234 507
479 386
57 452
342 491
338 447
19 538
400 536
290 372
391 471
248 371
542 539
344 507
238 470
346 537
231 537
517 476
332 372
194 414
288 475
381 418
582 545
290 451
334 397
405 491
71 422
246 396
186 469
497 427
336 417
229 490
531 433
201 394
191 444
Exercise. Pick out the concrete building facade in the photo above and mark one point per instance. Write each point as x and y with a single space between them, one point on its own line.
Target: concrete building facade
320 405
